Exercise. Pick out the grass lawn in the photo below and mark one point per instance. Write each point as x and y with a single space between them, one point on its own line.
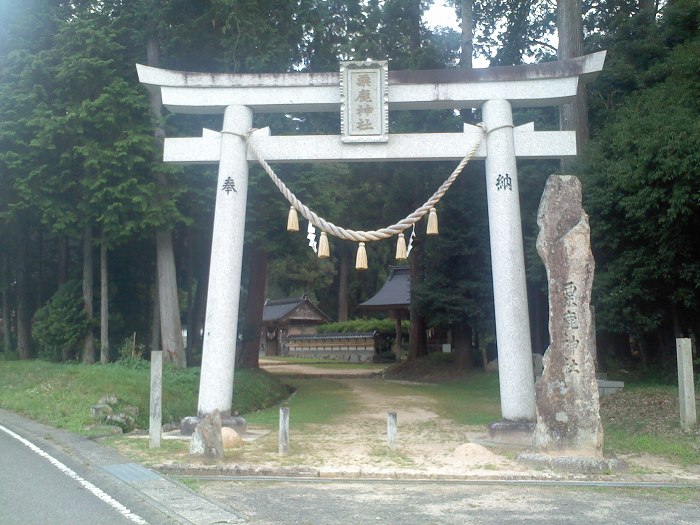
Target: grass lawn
61 395
639 419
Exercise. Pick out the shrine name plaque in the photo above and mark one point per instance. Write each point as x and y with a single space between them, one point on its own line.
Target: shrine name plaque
364 97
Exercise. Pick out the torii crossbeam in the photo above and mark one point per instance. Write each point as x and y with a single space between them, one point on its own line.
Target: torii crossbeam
495 90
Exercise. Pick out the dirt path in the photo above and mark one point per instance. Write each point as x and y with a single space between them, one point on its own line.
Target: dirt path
427 445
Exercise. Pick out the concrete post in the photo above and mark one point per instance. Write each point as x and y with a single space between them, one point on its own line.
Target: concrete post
686 386
156 413
284 431
221 322
508 265
391 430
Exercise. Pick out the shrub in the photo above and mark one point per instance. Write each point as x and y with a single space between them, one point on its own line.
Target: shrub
62 321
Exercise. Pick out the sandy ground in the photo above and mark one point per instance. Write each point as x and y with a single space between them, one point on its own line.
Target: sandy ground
428 446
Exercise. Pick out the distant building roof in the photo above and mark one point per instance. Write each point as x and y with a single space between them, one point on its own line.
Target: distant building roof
293 308
395 294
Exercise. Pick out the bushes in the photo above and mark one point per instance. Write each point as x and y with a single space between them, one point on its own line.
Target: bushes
61 321
383 326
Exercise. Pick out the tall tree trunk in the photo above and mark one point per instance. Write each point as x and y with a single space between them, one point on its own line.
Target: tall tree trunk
249 356
104 303
62 258
40 270
189 284
200 305
6 315
414 16
23 339
417 342
63 254
343 284
462 346
171 331
467 28
89 342
170 328
573 116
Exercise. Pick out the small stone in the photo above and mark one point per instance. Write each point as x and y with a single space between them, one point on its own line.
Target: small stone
123 421
231 438
492 366
100 411
206 439
109 399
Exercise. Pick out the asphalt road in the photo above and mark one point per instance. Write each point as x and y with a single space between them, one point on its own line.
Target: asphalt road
33 490
277 502
52 477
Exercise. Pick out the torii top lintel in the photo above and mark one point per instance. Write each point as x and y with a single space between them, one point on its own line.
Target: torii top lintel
537 85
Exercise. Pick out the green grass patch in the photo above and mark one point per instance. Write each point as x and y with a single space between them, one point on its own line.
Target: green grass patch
678 450
472 400
61 394
645 419
316 401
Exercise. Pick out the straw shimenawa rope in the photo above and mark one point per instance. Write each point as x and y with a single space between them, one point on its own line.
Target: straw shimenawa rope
362 236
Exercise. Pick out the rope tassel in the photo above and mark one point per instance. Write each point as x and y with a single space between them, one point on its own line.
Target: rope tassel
324 251
432 223
361 260
401 254
292 220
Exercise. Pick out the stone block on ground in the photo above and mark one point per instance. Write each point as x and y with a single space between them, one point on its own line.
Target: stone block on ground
189 423
231 438
206 438
101 411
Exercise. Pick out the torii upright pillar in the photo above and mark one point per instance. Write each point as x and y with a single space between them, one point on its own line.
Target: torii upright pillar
508 265
220 327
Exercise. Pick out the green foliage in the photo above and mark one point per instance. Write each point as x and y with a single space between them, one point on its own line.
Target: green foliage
383 326
61 321
130 355
61 394
643 194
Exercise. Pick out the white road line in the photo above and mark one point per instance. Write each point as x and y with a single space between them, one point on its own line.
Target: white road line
99 493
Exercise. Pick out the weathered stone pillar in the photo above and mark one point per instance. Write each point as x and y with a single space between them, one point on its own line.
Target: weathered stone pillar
508 265
567 394
568 434
221 322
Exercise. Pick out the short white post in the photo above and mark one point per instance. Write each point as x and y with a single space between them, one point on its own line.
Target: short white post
221 323
508 265
156 413
391 430
284 431
686 387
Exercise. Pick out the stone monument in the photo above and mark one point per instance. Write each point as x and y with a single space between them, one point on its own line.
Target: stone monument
568 434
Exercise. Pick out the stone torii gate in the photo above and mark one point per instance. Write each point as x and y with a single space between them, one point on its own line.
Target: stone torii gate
495 90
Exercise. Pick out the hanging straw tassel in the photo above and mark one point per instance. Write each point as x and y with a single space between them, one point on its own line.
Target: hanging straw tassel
324 251
361 260
401 254
292 220
432 223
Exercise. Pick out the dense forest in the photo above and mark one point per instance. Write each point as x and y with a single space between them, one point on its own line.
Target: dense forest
103 248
